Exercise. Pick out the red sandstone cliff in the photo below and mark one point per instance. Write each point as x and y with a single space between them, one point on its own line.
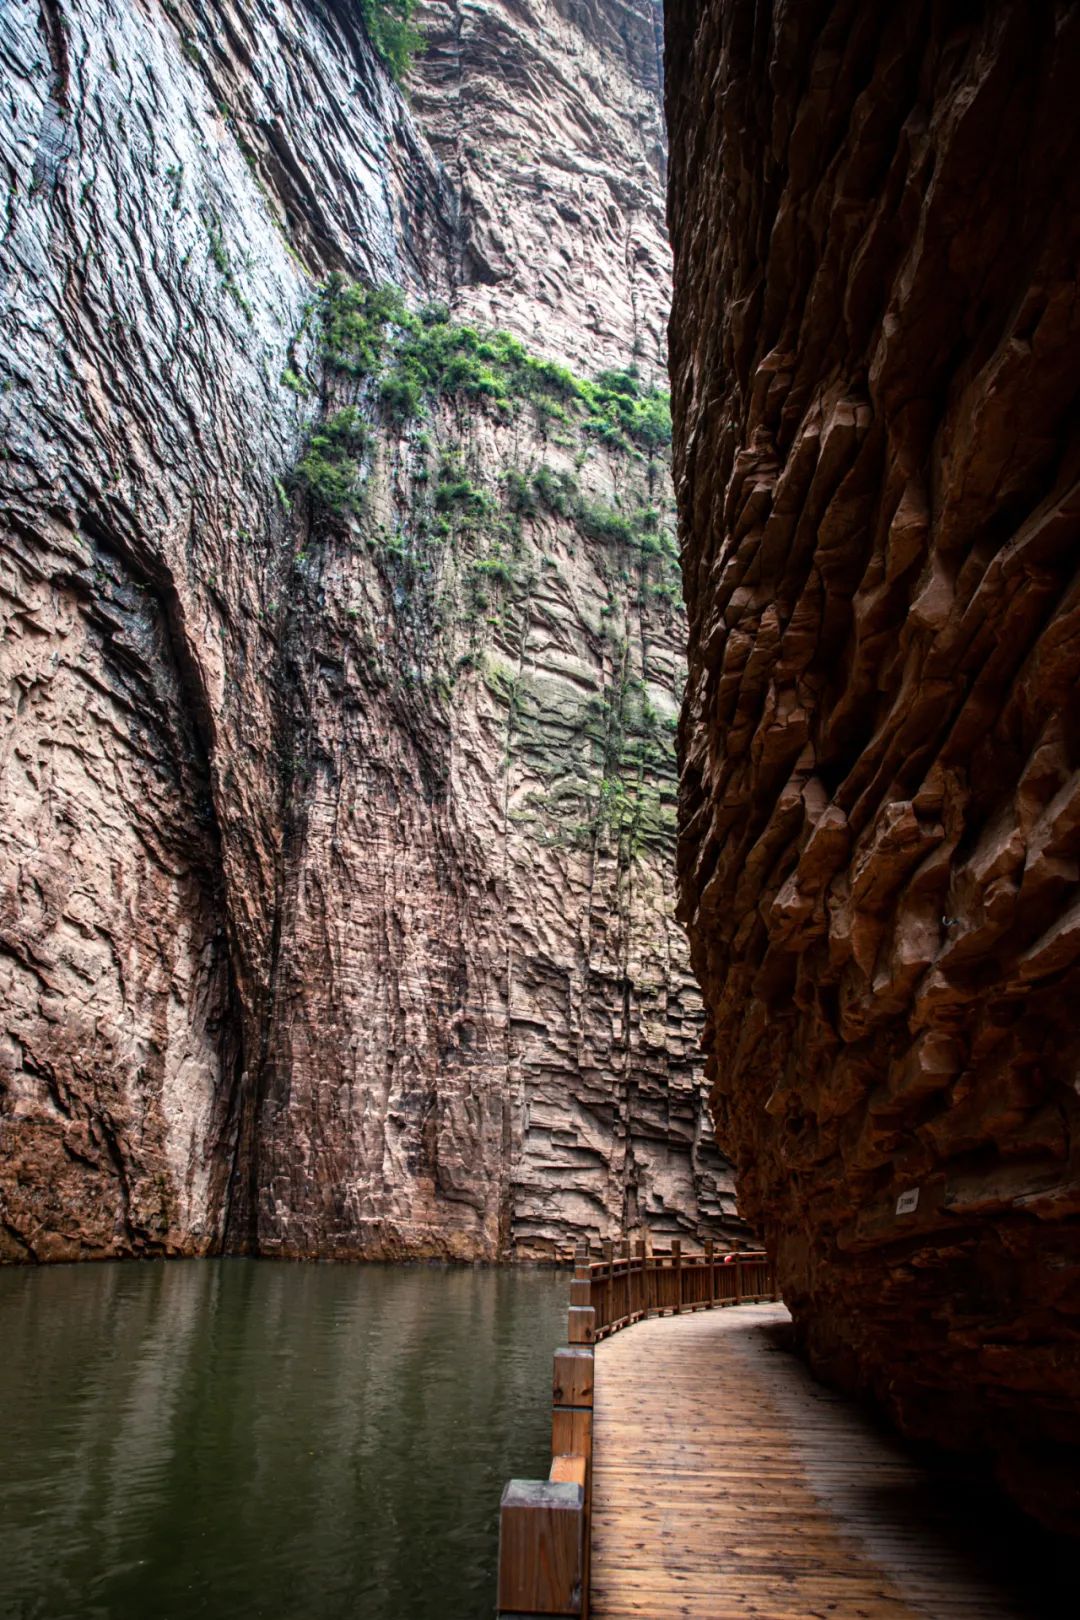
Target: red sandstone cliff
875 357
334 913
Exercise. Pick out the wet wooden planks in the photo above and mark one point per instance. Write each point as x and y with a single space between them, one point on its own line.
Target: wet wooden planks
728 1484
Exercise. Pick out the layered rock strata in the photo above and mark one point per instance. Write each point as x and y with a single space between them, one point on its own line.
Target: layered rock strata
281 963
548 116
875 334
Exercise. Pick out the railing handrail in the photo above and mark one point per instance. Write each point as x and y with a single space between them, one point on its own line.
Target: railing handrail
544 1525
624 1288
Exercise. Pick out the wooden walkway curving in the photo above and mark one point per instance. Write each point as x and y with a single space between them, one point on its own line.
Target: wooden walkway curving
728 1484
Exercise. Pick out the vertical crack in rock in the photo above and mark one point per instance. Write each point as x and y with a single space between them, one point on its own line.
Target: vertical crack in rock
875 339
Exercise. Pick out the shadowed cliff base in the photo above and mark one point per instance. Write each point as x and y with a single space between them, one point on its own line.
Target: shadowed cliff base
875 342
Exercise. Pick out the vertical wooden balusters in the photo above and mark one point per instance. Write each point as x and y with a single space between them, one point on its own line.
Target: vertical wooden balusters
710 1261
677 1267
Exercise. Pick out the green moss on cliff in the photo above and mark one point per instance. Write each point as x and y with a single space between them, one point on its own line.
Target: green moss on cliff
329 468
419 357
475 556
390 28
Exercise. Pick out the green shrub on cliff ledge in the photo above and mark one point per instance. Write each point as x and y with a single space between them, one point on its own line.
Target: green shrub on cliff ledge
369 332
390 29
354 323
329 468
619 409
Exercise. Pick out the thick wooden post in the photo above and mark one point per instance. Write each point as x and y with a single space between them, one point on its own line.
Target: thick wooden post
737 1263
572 1377
572 1403
710 1261
572 1384
542 1546
643 1278
580 1291
676 1262
581 1324
572 1432
609 1284
624 1246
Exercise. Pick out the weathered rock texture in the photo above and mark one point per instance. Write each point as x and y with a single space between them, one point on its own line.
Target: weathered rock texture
548 116
876 338
504 1045
281 964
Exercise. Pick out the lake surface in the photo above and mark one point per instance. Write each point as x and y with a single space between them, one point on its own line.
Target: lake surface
257 1439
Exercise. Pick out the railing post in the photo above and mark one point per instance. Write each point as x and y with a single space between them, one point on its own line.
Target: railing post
542 1547
710 1260
609 1283
581 1324
580 1291
676 1261
738 1280
627 1314
572 1386
643 1278
572 1402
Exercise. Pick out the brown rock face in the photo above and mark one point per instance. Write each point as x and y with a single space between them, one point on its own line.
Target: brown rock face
548 116
876 343
333 917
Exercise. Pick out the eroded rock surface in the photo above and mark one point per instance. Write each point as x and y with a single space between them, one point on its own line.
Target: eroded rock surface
281 963
876 213
548 116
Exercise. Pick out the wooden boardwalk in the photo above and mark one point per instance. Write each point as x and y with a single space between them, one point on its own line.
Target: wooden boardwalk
728 1484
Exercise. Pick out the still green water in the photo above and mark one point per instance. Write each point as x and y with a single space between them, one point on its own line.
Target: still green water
236 1438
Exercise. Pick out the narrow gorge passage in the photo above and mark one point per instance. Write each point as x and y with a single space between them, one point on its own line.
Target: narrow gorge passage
539 639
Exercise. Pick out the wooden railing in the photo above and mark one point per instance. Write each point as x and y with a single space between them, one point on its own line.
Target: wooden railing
544 1525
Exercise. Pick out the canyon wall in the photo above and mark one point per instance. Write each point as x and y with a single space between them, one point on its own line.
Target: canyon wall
548 116
332 839
875 346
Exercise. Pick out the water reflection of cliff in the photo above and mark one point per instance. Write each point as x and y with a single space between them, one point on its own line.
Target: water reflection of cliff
237 1439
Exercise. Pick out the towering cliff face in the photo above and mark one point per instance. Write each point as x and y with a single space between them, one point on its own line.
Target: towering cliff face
875 342
548 115
305 941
